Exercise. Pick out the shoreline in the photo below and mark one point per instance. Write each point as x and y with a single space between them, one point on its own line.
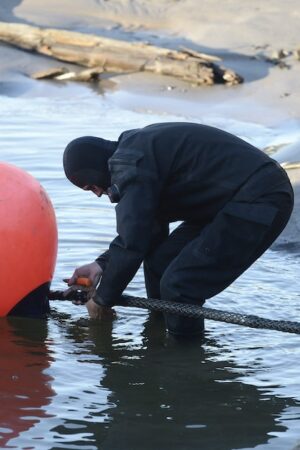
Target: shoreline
242 35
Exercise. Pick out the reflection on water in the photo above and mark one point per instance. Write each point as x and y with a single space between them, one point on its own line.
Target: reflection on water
67 383
25 388
165 394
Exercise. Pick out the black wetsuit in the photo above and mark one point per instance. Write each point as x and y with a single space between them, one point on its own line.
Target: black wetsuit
232 199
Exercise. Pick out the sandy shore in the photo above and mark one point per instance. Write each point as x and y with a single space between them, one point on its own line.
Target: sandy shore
243 34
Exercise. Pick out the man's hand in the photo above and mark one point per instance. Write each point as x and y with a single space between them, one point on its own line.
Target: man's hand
92 271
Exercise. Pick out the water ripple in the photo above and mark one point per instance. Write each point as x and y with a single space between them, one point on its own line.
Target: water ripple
126 384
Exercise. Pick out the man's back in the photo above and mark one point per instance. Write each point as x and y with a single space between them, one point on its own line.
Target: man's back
199 168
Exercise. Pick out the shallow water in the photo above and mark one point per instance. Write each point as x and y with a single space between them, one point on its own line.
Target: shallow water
69 383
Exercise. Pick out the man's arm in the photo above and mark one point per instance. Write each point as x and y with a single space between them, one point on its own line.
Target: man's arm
135 213
102 260
159 233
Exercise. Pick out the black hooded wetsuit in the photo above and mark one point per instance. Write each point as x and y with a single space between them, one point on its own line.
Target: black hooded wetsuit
232 199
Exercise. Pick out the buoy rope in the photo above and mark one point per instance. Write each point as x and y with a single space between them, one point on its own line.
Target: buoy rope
194 311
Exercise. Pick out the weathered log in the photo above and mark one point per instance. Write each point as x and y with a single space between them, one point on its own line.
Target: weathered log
205 56
49 73
113 55
62 73
84 75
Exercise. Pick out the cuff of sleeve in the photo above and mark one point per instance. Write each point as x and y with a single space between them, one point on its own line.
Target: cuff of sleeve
101 263
101 302
103 259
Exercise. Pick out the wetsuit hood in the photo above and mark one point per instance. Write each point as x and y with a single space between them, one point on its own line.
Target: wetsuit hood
85 161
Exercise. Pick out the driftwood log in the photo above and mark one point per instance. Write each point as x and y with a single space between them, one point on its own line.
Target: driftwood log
111 55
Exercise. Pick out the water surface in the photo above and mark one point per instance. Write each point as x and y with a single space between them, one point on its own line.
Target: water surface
68 383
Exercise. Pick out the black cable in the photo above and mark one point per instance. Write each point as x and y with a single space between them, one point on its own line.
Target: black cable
188 310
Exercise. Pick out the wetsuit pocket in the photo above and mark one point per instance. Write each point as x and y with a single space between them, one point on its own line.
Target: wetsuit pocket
237 232
123 167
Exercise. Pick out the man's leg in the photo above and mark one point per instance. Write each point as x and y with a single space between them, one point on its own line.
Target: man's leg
238 235
159 259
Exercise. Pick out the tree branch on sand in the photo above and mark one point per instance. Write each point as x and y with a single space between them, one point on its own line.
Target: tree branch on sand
111 55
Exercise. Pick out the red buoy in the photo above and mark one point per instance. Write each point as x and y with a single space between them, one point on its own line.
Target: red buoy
28 236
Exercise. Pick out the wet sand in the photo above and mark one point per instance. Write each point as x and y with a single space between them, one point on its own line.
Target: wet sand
242 34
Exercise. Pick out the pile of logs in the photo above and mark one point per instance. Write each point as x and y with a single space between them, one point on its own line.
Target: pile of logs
101 54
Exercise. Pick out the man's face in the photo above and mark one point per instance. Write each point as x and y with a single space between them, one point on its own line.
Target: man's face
97 190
